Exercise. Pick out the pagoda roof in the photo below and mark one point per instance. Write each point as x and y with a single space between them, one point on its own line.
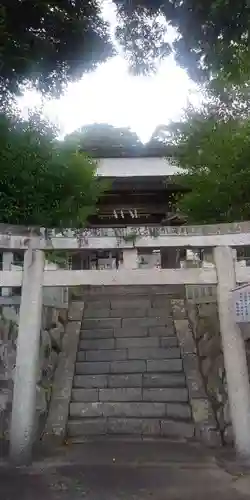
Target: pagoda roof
138 167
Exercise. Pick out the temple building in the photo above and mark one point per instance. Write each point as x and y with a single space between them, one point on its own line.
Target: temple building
140 192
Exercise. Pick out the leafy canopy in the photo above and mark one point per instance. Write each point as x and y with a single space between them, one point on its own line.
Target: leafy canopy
103 136
213 148
49 42
212 35
43 182
103 140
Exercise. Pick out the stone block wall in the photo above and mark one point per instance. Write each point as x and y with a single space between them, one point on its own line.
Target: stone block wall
52 333
206 429
204 323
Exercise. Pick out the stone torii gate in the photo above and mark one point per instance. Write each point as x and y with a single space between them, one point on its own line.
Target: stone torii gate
226 274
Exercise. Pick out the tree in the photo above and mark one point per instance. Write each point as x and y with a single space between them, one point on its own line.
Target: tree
141 32
103 139
49 41
43 182
160 138
212 36
214 151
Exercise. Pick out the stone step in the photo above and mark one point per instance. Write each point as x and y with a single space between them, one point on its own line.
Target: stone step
165 394
146 380
99 344
147 348
122 312
92 368
93 304
169 341
130 332
98 323
129 377
160 312
163 380
110 395
102 381
130 312
154 353
128 343
129 426
102 355
179 411
120 394
117 409
125 408
161 301
165 365
102 333
127 322
147 322
127 302
84 395
127 380
97 333
87 427
90 381
161 331
96 313
131 366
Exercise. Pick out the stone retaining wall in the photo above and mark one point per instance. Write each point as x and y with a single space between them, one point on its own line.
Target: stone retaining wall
52 333
204 323
206 429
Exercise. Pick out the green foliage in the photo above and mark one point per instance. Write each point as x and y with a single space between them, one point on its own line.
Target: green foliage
103 140
141 32
48 42
60 258
214 153
213 36
43 182
103 136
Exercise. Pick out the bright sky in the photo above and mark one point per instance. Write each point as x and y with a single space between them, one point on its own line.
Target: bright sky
111 95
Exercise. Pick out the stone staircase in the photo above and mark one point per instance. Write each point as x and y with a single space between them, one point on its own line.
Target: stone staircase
129 377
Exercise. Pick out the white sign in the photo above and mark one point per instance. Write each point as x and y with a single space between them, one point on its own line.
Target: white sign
241 303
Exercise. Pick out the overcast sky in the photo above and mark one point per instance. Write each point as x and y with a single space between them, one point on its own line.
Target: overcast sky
113 96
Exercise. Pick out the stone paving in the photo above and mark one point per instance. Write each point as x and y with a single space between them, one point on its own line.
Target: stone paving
124 471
